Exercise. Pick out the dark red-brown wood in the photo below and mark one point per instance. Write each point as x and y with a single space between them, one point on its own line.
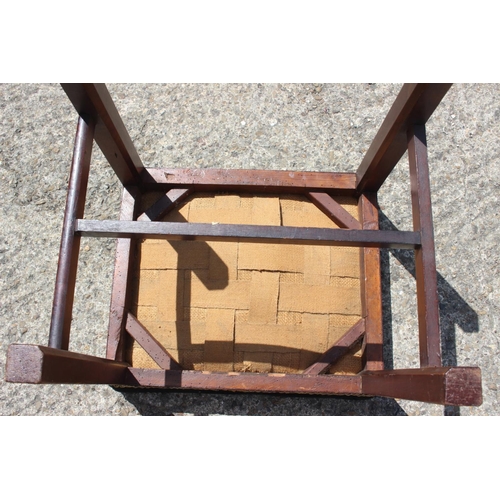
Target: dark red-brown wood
168 202
442 385
157 352
258 234
425 260
35 364
334 210
371 287
254 181
414 104
115 348
93 99
250 382
338 350
456 386
64 291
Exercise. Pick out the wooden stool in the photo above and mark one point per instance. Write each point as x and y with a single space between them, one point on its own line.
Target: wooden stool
248 280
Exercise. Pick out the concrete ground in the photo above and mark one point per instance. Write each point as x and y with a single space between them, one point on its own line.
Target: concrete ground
313 127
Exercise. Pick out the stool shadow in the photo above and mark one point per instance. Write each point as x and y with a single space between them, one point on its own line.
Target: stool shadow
453 309
202 403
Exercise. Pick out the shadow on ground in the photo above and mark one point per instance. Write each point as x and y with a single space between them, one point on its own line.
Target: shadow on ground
161 402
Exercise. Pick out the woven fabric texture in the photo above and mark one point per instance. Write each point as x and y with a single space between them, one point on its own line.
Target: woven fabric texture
229 306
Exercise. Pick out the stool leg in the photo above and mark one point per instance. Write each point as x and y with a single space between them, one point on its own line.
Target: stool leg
425 260
70 242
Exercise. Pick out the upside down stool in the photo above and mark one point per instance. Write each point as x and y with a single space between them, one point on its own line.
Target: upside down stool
248 280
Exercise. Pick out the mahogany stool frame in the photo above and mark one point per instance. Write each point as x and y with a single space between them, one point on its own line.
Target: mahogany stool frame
403 129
